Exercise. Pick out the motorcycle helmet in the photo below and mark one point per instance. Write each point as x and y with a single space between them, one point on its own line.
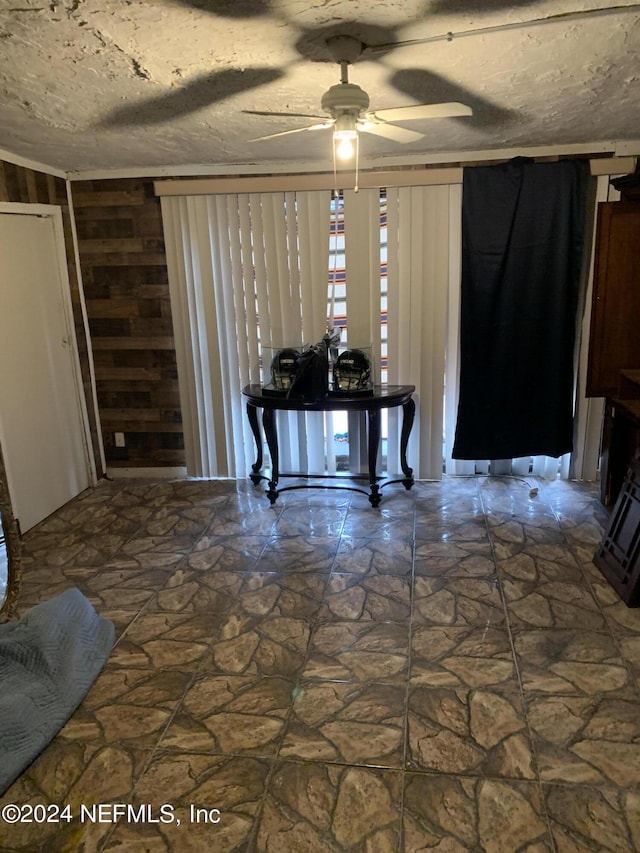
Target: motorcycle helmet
283 368
352 371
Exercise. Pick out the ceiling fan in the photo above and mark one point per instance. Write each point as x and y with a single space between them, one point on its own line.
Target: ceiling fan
347 108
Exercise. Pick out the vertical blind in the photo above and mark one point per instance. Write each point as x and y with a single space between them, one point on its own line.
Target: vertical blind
423 247
245 271
251 270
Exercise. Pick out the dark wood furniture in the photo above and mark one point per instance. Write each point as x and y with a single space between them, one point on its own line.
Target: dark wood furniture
614 373
614 345
620 436
614 342
618 557
383 397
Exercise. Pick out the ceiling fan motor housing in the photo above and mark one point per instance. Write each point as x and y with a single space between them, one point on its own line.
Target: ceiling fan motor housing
345 98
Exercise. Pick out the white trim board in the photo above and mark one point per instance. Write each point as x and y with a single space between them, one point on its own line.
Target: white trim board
87 333
317 181
27 209
408 177
147 473
17 160
625 148
617 148
367 180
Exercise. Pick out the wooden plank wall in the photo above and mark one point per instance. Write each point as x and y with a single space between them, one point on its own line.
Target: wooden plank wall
124 273
27 186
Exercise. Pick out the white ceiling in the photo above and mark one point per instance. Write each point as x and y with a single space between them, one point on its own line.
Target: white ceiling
106 84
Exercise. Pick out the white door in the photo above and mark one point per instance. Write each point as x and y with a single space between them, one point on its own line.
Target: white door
42 414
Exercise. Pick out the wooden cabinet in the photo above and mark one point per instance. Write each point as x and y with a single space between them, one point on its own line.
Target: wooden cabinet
620 445
618 556
614 343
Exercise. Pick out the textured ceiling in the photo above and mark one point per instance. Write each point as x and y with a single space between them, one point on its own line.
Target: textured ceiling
106 84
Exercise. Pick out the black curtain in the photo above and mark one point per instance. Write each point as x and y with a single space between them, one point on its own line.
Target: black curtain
522 247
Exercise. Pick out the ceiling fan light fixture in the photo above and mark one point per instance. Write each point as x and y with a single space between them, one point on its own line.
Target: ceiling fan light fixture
345 145
345 136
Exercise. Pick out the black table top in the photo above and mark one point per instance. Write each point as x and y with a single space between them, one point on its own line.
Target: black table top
383 396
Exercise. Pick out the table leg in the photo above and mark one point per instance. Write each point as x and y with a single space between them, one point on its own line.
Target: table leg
252 414
373 430
408 414
270 431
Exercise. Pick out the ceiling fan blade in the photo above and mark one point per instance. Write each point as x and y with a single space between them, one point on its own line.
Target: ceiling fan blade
421 86
449 110
390 131
296 130
281 115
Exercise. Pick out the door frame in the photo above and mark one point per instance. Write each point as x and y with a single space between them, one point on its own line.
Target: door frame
54 213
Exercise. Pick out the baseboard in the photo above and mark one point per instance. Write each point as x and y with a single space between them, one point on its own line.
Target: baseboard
177 473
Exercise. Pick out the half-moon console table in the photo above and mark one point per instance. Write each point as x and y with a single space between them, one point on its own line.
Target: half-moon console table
383 397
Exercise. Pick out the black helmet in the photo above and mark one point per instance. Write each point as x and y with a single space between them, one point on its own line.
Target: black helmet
283 368
352 371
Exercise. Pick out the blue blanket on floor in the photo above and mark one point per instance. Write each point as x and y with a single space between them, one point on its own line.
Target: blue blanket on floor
48 661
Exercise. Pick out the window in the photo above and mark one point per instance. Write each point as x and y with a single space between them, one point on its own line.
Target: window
337 314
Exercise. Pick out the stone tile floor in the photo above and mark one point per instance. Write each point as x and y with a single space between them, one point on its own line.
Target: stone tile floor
447 672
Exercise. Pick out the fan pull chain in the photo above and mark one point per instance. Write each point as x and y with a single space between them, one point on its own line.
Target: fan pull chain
355 189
